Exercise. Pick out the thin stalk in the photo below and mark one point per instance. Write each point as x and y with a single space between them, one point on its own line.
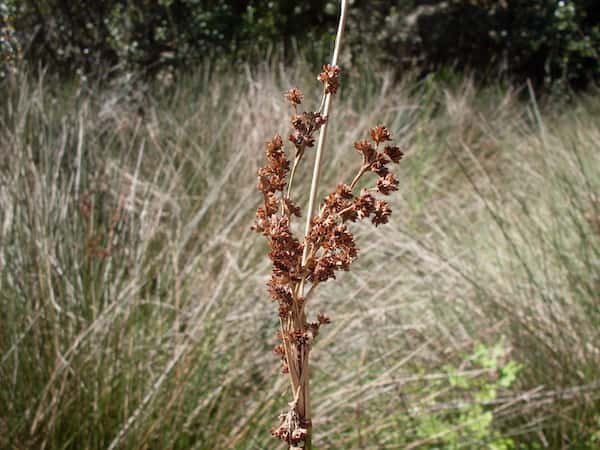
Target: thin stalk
304 385
360 173
292 173
323 132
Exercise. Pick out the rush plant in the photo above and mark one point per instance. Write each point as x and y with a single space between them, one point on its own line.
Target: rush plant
328 246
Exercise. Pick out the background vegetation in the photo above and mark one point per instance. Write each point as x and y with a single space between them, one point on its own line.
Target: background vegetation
547 41
134 310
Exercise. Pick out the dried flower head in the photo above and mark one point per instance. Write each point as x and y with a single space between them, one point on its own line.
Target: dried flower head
380 134
305 125
394 153
328 246
367 150
387 184
294 96
330 78
379 165
382 213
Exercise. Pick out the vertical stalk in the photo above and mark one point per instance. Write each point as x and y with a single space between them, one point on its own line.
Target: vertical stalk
304 397
323 131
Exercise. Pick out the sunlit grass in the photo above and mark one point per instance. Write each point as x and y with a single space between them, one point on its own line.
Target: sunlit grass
134 312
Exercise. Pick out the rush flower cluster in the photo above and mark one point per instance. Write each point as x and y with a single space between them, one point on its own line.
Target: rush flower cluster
301 264
330 77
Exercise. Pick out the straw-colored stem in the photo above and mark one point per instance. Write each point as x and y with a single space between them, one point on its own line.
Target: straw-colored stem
360 173
292 173
323 132
304 405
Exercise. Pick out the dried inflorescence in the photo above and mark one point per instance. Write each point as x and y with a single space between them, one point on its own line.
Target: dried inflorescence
329 245
292 428
330 78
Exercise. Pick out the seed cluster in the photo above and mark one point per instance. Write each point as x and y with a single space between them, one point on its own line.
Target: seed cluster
328 247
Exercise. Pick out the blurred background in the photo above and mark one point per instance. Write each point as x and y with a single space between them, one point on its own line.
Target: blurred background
543 40
133 305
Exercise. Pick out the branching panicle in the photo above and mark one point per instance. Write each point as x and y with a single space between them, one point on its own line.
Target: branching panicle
327 247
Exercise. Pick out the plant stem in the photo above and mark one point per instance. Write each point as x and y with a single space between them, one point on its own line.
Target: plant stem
323 132
292 173
304 386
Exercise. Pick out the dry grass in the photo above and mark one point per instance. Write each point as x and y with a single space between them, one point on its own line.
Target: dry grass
134 312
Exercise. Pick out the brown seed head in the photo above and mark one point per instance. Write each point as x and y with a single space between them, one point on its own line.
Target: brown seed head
294 96
364 204
387 184
290 208
380 134
274 145
330 78
382 213
367 150
394 153
379 165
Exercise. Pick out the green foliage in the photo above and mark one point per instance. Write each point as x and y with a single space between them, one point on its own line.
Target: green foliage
548 41
470 420
148 36
10 49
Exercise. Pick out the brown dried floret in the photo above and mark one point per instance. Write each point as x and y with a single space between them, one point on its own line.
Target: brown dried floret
279 350
271 178
340 201
379 165
271 204
301 141
304 126
367 150
349 214
382 213
364 204
387 184
394 153
290 208
330 77
339 239
286 251
294 96
279 293
274 145
324 270
320 229
344 191
380 134
283 311
323 319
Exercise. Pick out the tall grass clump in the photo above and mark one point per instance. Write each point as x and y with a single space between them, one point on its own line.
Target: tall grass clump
132 289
